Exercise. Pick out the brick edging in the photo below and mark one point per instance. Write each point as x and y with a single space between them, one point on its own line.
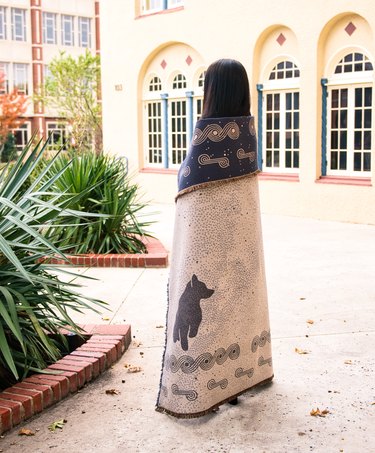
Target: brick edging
105 346
156 256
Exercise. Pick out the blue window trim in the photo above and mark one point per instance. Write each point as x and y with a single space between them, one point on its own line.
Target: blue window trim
164 114
165 4
190 114
260 125
324 126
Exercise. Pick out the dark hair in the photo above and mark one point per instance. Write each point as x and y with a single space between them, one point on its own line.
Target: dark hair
226 90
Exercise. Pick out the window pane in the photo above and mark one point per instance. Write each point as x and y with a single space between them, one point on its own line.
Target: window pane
277 102
343 119
276 161
296 101
288 120
334 119
3 23
288 159
67 30
344 97
343 140
367 140
357 162
84 31
335 99
334 140
358 97
358 140
367 161
358 119
288 140
18 24
368 97
334 163
343 161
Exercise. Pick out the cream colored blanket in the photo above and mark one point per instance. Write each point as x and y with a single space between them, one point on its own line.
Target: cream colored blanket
218 342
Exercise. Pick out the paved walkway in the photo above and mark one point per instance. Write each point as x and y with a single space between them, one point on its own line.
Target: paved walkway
318 271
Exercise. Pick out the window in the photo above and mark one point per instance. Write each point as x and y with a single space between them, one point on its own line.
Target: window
67 30
49 28
153 107
84 31
57 136
20 77
150 6
177 131
4 70
175 3
3 22
179 82
18 24
349 121
22 136
281 119
155 84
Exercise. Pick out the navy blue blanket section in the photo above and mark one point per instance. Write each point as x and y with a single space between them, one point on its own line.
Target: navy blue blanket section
221 148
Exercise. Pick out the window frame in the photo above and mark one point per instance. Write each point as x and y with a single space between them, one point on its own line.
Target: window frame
4 68
282 86
63 21
49 21
84 20
59 128
25 130
351 81
3 22
18 12
25 67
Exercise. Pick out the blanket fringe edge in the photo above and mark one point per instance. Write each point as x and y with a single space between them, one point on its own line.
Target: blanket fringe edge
212 409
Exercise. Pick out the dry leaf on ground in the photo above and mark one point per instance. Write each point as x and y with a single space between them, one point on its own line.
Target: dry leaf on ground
26 432
348 362
301 351
310 321
159 327
136 343
112 392
57 424
134 369
106 318
318 413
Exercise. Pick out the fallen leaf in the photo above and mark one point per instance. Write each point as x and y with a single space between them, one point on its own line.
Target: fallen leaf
136 343
348 362
160 327
301 433
134 369
318 413
112 392
57 424
26 432
310 321
106 318
373 404
302 298
301 351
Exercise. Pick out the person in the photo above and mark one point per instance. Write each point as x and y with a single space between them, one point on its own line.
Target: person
218 341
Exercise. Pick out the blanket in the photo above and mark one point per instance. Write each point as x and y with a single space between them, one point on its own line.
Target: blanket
218 341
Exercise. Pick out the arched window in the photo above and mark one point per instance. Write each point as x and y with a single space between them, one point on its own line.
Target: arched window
155 84
281 118
179 82
198 104
349 116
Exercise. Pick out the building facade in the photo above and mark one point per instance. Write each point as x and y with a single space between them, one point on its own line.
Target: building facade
32 33
311 67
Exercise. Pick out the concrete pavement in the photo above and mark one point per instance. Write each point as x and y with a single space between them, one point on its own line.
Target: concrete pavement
321 272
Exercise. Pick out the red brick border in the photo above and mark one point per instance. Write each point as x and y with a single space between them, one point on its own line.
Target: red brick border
157 256
105 346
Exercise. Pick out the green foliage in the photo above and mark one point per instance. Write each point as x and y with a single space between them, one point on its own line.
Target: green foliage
33 300
72 89
8 149
111 196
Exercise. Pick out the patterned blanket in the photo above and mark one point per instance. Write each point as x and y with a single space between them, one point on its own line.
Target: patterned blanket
218 342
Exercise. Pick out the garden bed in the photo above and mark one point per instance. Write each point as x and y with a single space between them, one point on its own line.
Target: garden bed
156 256
104 345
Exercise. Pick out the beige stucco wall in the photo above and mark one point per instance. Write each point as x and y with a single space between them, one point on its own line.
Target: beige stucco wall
247 31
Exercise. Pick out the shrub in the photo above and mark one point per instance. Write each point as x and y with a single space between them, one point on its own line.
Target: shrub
33 301
111 195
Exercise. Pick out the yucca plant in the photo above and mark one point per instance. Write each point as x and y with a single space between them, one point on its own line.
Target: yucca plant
34 302
112 195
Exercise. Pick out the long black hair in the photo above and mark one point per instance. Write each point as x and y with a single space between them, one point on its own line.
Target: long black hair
226 90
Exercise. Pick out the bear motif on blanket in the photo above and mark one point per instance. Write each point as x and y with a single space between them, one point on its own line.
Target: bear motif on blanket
189 313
